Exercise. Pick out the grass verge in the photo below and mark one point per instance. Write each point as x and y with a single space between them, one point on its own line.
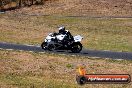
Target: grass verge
20 69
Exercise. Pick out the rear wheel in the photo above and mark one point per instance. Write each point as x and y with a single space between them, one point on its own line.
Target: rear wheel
76 47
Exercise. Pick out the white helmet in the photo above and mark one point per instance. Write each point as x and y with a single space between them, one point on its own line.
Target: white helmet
62 28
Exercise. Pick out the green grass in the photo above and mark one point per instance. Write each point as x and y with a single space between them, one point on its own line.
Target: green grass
102 34
69 66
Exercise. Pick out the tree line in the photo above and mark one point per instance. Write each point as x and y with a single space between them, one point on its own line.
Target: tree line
12 4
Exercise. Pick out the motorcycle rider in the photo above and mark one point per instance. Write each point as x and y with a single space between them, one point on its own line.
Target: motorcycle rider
68 37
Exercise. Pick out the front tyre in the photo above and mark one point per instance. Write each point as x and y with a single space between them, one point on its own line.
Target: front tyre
51 47
44 45
76 47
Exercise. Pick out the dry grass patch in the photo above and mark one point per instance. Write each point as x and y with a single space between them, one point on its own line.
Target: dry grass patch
82 8
25 69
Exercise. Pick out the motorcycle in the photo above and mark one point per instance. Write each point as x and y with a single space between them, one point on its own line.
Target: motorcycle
56 41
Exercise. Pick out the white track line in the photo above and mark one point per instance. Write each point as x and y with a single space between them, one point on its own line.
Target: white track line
37 46
10 49
95 57
119 59
107 58
31 45
21 50
30 51
73 55
28 45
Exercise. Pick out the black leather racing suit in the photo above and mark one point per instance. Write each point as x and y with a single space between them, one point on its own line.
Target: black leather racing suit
68 38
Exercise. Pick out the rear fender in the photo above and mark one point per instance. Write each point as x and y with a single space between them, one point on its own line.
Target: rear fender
78 38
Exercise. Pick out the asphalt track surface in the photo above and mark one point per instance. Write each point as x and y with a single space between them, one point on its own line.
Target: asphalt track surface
84 52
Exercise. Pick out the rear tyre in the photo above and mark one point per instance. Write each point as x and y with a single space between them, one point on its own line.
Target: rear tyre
76 47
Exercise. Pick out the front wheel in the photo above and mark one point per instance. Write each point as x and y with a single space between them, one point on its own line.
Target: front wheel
44 45
76 47
51 47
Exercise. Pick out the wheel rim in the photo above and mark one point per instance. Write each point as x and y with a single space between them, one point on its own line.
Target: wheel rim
43 45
